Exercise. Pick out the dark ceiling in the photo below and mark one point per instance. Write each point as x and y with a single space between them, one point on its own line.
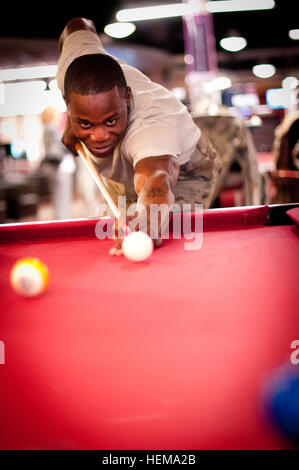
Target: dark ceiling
263 29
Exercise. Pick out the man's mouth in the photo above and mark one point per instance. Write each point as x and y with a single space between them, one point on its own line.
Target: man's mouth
102 151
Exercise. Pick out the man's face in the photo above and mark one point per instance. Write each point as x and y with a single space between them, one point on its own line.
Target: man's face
100 120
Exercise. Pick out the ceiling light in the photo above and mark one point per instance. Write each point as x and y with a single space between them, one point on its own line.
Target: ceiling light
290 83
189 59
264 70
154 12
26 73
233 43
119 30
179 92
294 34
35 86
255 121
277 98
221 83
183 9
245 100
222 6
2 93
217 84
53 85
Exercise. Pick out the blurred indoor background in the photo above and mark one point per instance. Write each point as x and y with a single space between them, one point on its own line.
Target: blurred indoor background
246 100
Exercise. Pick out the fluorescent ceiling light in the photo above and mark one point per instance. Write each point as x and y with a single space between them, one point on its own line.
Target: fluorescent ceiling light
294 34
264 70
2 93
223 6
119 30
233 44
26 73
153 13
182 9
35 86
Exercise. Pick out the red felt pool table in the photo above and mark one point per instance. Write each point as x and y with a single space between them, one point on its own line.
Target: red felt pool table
170 353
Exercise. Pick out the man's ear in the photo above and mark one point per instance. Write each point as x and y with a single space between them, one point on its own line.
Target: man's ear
67 104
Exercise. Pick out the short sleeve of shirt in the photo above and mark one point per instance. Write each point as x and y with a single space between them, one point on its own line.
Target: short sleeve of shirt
153 138
79 43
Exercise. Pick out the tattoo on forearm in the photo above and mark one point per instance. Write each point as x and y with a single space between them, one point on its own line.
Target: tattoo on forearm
156 192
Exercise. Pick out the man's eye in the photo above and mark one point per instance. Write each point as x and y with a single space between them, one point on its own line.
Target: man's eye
85 124
111 122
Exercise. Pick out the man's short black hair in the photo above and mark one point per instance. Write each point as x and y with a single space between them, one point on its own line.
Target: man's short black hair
92 74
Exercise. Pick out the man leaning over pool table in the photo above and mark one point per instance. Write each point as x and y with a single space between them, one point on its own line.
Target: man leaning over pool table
136 131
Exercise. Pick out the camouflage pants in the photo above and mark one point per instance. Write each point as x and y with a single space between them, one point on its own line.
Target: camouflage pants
197 182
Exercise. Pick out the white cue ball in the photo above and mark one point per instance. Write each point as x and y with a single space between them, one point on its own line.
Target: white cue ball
137 246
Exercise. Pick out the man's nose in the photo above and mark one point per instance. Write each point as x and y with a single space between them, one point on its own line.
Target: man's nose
99 134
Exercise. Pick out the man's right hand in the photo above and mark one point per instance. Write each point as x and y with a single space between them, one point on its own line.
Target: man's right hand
69 139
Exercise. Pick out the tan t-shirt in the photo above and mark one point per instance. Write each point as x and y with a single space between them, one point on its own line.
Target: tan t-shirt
158 123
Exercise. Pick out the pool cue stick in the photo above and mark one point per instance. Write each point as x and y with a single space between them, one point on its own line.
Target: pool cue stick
98 180
101 185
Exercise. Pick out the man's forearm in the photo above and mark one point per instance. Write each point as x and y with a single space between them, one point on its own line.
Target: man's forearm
75 24
156 190
154 180
154 198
